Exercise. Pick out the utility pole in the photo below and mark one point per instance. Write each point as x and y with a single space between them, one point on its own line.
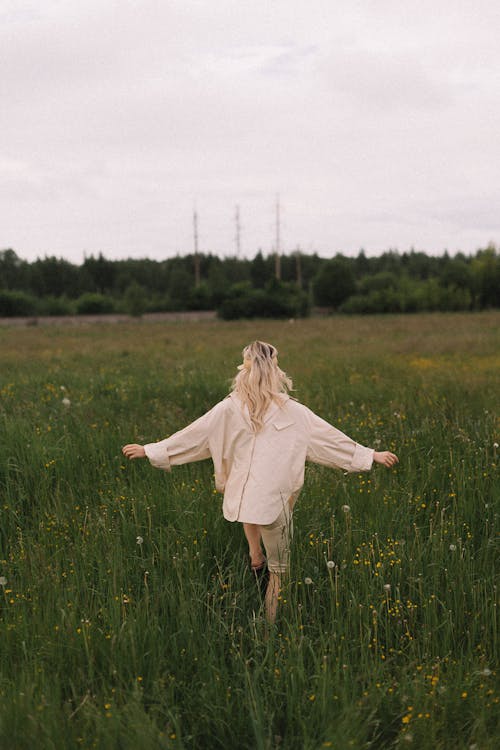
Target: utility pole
277 267
237 236
196 254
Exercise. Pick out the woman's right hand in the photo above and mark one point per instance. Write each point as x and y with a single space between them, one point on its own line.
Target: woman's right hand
386 458
133 450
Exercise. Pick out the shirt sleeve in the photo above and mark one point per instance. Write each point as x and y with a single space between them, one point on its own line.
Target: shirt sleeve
187 445
331 447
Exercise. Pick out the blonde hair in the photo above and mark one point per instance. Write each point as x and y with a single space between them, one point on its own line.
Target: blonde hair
260 381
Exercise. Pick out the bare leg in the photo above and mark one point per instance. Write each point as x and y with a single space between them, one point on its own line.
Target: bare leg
272 593
252 533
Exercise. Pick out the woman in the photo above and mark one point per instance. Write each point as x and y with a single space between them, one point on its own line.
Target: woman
259 440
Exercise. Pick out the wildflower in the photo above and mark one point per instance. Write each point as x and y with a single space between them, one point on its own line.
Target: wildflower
308 581
486 671
330 564
346 508
3 581
139 540
66 402
495 445
387 587
453 547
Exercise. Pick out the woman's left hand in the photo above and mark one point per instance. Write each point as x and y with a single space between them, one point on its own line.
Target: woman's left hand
133 450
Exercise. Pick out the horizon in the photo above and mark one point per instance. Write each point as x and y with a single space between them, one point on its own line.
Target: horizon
249 259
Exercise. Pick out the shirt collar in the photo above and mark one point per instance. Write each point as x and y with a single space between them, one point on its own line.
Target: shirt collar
270 413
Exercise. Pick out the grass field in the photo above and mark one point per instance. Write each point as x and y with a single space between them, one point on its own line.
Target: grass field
128 616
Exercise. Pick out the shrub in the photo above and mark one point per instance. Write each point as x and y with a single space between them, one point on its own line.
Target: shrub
277 300
93 303
135 300
334 283
388 301
378 282
14 304
199 298
56 306
160 303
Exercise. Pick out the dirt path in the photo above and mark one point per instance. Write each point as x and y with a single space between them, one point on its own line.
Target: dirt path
78 320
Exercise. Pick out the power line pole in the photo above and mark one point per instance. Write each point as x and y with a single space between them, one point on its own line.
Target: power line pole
196 254
238 231
277 266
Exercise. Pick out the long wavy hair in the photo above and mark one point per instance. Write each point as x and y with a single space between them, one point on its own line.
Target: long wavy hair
260 381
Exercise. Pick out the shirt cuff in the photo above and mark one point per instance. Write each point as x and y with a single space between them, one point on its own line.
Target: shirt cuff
158 455
362 459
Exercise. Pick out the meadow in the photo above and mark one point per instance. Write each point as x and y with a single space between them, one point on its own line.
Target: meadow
129 618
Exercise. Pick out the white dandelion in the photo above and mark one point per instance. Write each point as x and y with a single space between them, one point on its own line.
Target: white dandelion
330 564
453 547
346 508
3 581
387 587
139 540
308 581
66 402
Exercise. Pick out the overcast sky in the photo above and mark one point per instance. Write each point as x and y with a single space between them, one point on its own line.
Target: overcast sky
376 121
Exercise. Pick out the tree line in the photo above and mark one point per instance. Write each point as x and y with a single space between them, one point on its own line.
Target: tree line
240 287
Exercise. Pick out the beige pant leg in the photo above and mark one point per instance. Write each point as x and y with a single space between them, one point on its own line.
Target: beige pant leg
277 537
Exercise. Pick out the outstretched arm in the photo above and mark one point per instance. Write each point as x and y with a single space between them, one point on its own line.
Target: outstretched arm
189 444
331 447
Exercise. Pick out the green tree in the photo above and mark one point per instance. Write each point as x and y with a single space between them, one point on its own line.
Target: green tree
51 276
101 272
334 283
259 271
486 273
12 270
135 299
180 284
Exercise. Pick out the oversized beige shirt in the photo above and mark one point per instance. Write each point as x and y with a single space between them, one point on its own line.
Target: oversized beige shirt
258 472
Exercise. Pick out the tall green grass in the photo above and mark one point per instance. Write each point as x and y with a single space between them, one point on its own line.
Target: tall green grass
128 616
